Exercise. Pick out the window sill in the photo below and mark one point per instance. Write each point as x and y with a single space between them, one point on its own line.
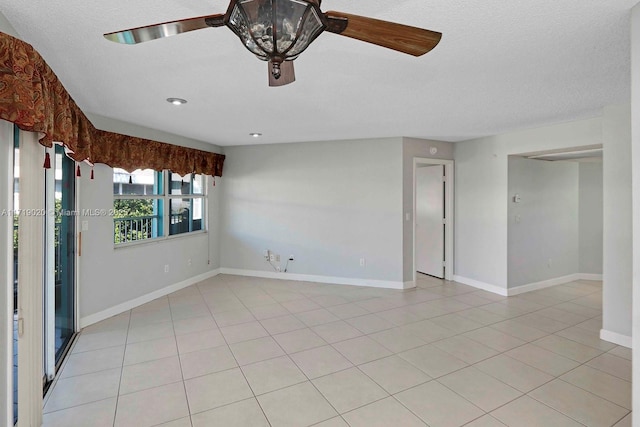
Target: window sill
159 240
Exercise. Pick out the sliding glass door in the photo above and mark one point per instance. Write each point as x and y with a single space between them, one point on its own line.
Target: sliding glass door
59 260
44 236
64 247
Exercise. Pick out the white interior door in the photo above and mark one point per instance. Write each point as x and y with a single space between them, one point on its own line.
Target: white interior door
430 220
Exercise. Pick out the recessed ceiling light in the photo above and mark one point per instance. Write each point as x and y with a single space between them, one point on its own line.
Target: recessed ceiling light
177 101
255 135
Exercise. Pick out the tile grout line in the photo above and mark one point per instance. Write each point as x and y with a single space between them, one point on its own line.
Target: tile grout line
395 325
297 366
236 360
124 355
184 386
567 415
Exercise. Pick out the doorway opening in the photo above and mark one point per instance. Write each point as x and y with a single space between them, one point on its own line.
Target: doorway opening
555 218
433 217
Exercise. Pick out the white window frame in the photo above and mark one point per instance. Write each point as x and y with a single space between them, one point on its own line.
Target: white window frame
166 197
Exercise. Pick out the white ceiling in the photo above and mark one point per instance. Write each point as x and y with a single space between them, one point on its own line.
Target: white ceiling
502 65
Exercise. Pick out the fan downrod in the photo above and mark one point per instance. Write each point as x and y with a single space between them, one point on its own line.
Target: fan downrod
276 71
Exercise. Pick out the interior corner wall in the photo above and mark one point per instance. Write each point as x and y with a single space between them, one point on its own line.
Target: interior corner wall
590 217
543 241
329 204
617 221
481 195
412 148
110 278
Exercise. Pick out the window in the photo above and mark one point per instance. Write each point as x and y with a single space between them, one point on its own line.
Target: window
143 210
186 203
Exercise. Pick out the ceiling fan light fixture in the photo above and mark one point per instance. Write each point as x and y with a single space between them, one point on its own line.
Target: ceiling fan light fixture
276 30
177 101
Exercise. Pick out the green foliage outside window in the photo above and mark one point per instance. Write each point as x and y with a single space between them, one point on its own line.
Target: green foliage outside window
141 218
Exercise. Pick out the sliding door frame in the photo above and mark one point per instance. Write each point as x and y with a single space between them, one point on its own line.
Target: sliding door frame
30 282
6 265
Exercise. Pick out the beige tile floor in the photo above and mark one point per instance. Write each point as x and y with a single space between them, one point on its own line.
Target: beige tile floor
236 351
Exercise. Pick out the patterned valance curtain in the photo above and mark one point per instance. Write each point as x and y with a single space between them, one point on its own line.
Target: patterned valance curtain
32 97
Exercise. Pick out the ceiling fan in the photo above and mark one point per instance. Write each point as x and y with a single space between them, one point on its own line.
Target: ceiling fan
278 31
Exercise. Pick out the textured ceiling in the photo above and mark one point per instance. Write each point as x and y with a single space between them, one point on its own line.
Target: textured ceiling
502 65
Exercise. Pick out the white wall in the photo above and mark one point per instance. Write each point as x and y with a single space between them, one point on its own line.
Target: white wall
590 221
635 162
617 221
327 203
412 148
111 276
543 240
481 198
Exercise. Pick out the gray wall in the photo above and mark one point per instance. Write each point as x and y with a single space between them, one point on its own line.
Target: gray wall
6 27
412 148
590 221
543 240
327 203
635 161
125 128
110 276
481 213
617 245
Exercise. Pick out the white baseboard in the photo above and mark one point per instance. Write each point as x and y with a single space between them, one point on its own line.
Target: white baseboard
481 285
128 305
616 338
410 284
318 279
528 287
589 276
544 284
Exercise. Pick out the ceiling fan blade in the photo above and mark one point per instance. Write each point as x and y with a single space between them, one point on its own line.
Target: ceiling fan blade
402 38
287 74
165 29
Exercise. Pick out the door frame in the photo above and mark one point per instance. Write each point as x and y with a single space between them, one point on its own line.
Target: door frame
49 279
449 213
6 266
53 367
30 281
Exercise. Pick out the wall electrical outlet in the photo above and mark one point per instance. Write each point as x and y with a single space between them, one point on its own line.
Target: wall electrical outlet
166 268
277 258
272 257
266 254
363 262
189 262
